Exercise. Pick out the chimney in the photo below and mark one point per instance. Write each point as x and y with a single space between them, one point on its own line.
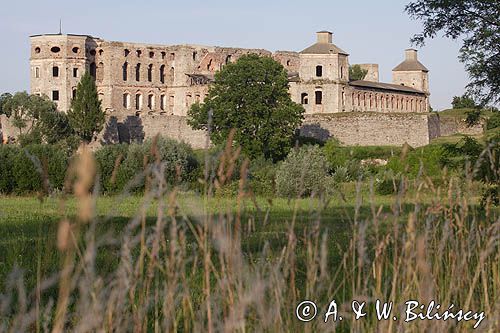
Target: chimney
324 37
411 54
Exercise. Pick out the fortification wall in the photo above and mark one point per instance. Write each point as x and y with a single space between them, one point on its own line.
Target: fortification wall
373 129
455 125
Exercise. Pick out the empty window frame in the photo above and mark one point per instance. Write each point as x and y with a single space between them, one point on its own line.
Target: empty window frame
319 71
126 101
318 96
304 98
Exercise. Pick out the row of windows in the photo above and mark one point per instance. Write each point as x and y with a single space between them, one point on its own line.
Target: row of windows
151 101
150 71
318 98
138 53
386 102
55 72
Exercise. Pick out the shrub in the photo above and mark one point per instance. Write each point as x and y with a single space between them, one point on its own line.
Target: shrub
302 173
429 157
7 153
493 121
261 177
106 158
178 158
28 165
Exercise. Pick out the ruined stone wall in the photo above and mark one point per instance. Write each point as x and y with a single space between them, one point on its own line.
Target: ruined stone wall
372 73
455 125
372 129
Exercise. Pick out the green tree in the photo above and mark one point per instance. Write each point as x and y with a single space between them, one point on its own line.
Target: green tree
36 118
478 24
464 102
251 96
3 98
357 73
86 117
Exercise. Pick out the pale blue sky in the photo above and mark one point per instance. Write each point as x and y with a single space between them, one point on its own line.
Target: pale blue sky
370 31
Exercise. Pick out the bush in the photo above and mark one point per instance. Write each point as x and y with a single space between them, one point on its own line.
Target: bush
493 121
302 173
178 158
409 163
7 154
22 168
106 159
261 177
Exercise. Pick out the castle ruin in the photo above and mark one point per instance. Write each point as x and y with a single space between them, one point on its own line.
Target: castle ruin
148 89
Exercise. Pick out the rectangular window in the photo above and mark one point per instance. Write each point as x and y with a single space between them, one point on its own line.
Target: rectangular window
55 95
319 97
37 72
75 72
55 71
319 71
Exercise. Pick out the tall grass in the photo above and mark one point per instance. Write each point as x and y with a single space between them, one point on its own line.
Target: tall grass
189 271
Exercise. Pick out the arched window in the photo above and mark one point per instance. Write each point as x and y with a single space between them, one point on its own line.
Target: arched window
73 93
304 98
188 99
138 72
93 70
125 71
341 72
371 104
126 52
162 73
138 101
194 55
150 73
100 72
319 71
209 66
318 97
151 101
126 101
228 59
343 97
197 98
288 63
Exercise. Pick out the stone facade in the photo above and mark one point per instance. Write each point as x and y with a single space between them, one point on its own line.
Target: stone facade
155 85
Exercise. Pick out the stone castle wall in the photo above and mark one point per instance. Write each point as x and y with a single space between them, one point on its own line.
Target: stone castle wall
454 125
373 129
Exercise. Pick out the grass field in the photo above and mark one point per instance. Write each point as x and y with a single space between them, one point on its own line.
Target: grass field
173 261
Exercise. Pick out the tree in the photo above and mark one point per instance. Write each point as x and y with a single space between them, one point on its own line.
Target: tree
478 23
36 118
3 98
357 73
251 96
86 117
464 102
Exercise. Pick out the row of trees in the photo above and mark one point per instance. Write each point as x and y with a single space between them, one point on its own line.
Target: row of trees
38 121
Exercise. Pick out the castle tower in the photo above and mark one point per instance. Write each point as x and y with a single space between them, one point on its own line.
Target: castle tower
324 74
411 73
57 64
